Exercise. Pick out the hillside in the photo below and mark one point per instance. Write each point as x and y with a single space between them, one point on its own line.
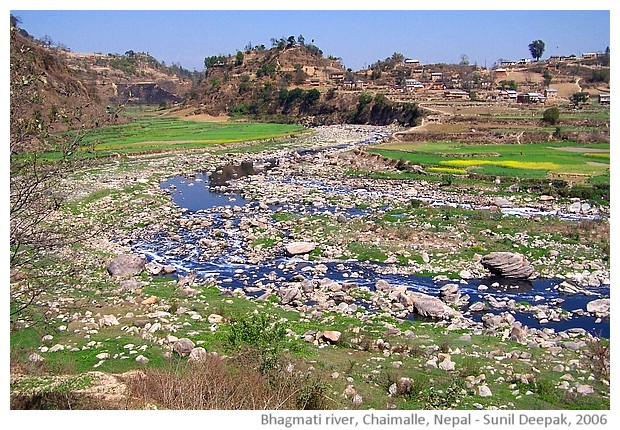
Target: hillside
290 84
47 95
134 77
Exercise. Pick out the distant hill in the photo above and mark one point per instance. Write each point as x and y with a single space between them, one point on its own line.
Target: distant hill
293 83
131 78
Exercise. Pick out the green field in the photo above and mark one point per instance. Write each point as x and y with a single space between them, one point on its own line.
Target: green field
536 160
148 133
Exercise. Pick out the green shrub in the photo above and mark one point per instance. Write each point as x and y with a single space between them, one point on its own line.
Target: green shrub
261 333
551 115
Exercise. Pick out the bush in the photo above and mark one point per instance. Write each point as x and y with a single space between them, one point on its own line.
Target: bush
227 383
551 115
263 334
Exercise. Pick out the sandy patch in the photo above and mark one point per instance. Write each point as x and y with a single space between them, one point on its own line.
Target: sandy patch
190 116
582 149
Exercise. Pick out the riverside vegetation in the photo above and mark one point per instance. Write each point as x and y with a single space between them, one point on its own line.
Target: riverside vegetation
300 339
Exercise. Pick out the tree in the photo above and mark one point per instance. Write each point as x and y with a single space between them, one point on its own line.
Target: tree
310 97
15 21
547 76
239 58
36 190
300 75
512 85
579 98
537 47
551 115
464 60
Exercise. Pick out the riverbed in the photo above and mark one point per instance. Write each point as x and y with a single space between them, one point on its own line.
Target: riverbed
212 245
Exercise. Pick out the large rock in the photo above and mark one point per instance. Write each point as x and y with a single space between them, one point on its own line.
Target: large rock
508 265
451 295
299 248
197 355
126 265
183 346
599 307
332 336
427 306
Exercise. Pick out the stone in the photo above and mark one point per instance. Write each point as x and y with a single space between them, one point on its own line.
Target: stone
142 359
215 319
150 301
585 389
108 320
451 295
299 248
183 346
477 307
102 356
508 265
332 336
197 355
357 400
126 265
599 307
35 358
447 364
427 306
465 274
575 207
383 286
484 391
502 202
153 268
393 390
130 284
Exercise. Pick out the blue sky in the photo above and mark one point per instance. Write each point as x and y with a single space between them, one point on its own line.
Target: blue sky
359 37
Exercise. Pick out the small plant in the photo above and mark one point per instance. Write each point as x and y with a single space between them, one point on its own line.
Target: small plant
448 398
598 354
261 333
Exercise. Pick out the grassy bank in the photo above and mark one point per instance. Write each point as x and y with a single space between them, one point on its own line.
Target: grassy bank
149 131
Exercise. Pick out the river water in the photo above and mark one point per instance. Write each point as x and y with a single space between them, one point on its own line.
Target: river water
203 195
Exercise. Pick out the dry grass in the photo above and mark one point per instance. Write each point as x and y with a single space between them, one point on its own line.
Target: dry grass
228 383
598 356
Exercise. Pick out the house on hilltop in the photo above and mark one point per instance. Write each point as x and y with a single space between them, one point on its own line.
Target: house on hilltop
413 85
456 95
501 73
527 98
411 63
551 93
336 77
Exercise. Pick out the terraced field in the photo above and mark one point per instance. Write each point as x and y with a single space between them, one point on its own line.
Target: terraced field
537 160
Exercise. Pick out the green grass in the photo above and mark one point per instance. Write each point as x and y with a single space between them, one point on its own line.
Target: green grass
149 133
536 160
